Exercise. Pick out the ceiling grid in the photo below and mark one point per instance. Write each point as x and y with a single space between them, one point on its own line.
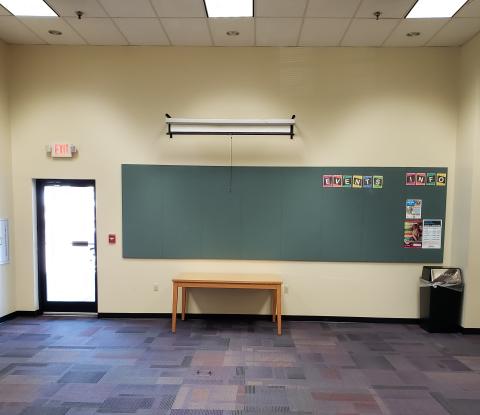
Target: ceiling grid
330 23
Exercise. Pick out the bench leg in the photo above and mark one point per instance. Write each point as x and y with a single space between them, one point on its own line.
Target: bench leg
279 310
174 307
274 305
184 302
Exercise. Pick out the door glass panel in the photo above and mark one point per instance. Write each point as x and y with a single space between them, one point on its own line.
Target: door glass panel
70 243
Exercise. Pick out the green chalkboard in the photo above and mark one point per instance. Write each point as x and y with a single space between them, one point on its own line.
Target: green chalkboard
272 213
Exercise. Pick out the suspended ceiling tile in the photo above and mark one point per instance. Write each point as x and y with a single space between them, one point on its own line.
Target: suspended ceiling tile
180 8
128 8
41 26
187 31
426 27
323 31
279 31
142 31
280 8
90 8
98 31
369 32
332 8
390 8
14 32
245 26
471 9
456 32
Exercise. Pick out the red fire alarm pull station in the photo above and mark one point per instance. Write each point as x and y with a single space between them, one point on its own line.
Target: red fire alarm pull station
112 239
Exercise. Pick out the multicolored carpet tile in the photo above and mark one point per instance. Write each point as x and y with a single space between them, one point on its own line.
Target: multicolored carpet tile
87 366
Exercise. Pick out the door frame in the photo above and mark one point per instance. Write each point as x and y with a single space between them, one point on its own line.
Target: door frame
60 306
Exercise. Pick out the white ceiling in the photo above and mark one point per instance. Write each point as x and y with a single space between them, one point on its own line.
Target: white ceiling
276 23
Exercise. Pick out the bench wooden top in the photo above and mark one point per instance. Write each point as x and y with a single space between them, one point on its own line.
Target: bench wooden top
213 278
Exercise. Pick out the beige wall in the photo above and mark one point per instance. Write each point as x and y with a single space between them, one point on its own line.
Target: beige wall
355 107
7 290
466 235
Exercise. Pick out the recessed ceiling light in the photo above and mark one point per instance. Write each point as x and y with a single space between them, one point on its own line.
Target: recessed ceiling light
435 8
55 32
413 34
233 33
28 8
229 8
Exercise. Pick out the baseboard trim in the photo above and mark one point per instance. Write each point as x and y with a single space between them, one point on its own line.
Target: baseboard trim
134 315
201 316
7 317
16 314
343 319
326 319
338 319
470 330
22 313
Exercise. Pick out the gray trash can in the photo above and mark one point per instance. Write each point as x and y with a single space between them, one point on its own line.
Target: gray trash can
441 297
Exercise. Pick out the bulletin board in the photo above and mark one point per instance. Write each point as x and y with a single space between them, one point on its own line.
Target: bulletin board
277 213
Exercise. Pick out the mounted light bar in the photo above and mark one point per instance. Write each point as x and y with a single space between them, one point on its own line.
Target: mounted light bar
37 8
425 9
229 8
195 126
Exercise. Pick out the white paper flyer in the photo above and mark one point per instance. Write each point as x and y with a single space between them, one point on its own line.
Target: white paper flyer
432 234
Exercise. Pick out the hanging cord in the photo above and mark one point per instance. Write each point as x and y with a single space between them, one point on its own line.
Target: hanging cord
231 165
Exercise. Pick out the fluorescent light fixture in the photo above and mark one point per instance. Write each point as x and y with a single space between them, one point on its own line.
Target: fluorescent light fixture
28 8
229 8
229 127
425 9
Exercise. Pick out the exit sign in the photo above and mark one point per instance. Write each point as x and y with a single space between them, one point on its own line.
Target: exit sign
61 150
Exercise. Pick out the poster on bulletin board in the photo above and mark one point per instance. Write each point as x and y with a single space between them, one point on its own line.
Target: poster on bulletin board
4 251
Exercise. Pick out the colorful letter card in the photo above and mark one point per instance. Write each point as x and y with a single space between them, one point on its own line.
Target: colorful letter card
357 182
337 180
411 179
431 179
377 182
347 181
441 179
420 179
367 182
327 181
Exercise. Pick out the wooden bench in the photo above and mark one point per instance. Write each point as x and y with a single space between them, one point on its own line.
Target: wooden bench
236 281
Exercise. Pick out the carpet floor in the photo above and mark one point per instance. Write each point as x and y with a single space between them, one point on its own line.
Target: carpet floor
86 366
